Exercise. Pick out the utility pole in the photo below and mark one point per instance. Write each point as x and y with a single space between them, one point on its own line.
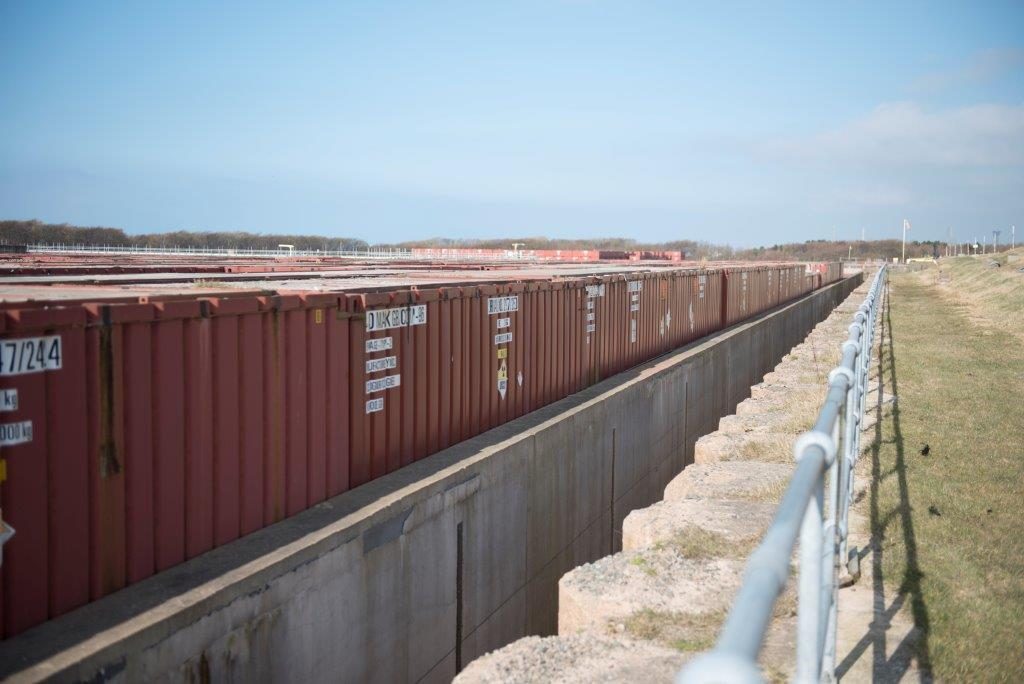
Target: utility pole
995 240
906 227
1013 237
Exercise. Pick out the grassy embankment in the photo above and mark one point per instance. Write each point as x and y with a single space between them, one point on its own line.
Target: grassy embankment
951 522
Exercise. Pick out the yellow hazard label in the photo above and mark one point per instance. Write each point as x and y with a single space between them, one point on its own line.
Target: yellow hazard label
3 469
503 353
502 379
318 316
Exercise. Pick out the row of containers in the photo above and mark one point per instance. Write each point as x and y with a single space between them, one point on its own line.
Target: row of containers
558 255
138 435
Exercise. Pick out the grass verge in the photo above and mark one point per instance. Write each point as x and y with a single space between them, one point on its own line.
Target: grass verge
948 519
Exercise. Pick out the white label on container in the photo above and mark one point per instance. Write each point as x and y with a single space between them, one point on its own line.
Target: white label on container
634 307
590 304
632 330
503 338
595 290
504 323
703 282
30 355
591 316
378 344
591 328
8 400
15 433
635 285
383 363
374 405
404 317
496 305
380 384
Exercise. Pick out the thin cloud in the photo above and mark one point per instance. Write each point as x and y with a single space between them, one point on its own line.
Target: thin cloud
903 134
981 68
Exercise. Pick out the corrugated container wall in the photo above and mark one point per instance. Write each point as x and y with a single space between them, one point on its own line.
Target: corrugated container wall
137 435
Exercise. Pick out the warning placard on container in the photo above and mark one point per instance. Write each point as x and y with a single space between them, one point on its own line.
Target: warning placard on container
378 344
404 317
635 285
380 384
595 290
15 433
502 379
30 355
496 305
383 363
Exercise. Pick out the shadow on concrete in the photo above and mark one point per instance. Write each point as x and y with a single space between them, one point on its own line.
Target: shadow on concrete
891 667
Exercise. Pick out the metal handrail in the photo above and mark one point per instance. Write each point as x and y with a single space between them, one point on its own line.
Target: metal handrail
823 539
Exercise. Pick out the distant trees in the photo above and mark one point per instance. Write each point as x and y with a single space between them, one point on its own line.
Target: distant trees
29 232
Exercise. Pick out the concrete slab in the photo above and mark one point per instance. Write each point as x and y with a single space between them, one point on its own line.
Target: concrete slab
732 480
770 447
576 658
741 521
767 421
599 596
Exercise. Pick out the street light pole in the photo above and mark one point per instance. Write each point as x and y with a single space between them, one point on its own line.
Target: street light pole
906 227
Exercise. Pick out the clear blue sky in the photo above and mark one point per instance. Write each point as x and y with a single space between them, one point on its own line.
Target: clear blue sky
743 123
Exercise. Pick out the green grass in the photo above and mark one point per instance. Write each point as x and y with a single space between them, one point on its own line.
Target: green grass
683 632
990 295
951 524
644 565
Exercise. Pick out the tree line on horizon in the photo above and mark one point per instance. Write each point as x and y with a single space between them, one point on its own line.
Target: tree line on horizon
37 232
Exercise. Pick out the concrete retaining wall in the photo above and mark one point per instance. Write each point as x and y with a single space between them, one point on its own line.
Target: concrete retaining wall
419 572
